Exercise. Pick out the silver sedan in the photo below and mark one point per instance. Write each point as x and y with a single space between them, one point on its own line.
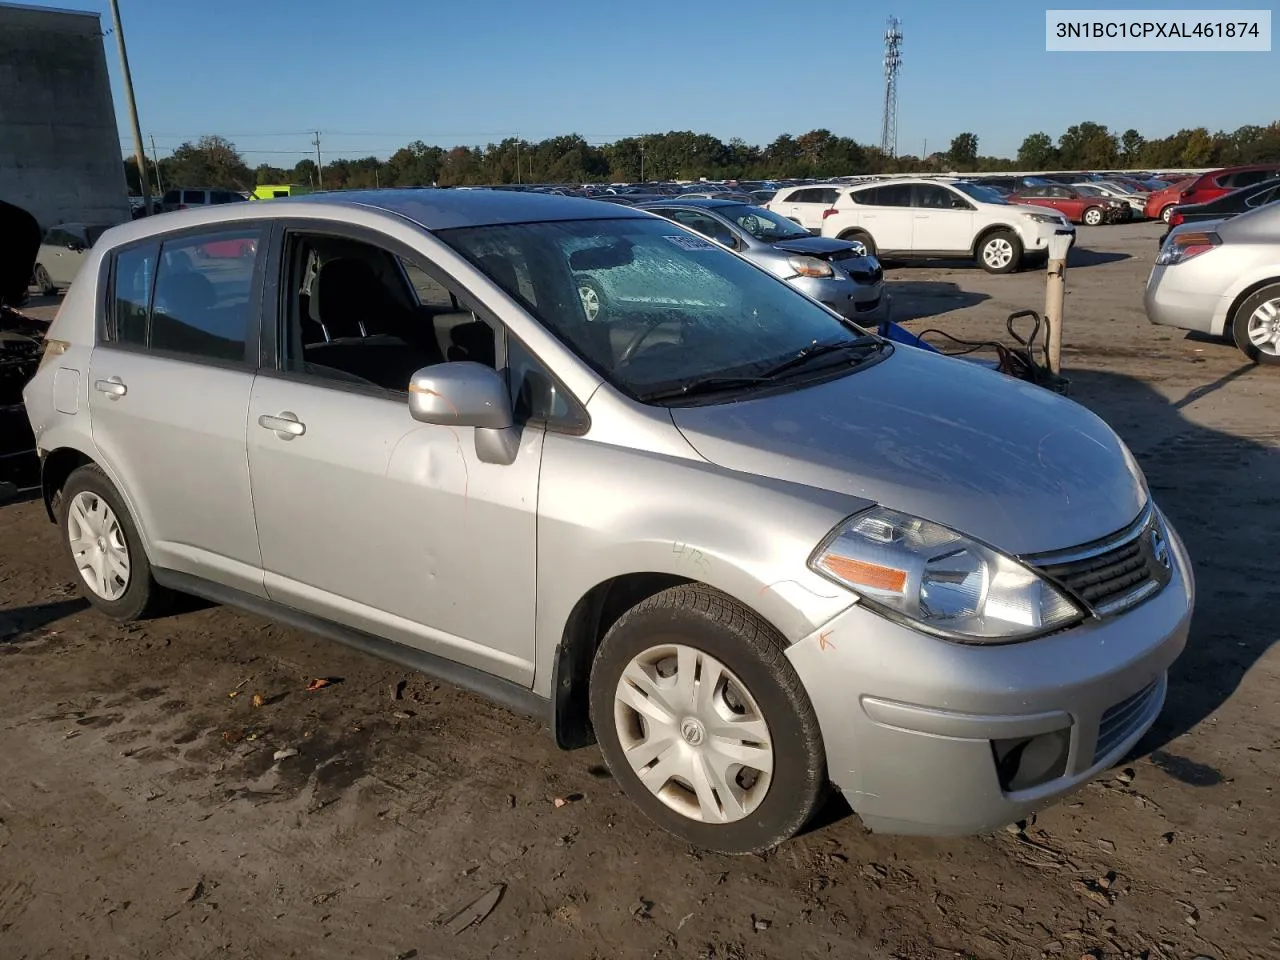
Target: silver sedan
837 273
1222 277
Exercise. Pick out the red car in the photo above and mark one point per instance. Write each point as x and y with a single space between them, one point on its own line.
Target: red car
1080 204
1215 183
1161 203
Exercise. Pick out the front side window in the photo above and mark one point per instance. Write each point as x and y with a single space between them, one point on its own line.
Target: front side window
938 198
706 225
981 192
762 224
652 308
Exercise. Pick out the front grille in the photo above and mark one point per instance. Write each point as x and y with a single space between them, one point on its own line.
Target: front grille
1124 719
1116 573
866 307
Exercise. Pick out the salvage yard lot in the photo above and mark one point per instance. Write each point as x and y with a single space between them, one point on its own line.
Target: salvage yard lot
143 812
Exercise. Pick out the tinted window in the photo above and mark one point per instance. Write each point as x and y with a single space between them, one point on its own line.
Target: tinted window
828 196
94 232
201 302
938 198
1263 197
429 291
193 196
1245 178
171 197
134 272
892 195
705 225
58 237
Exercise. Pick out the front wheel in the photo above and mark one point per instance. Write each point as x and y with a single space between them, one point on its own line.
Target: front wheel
705 724
861 237
1256 326
1093 216
102 543
1001 252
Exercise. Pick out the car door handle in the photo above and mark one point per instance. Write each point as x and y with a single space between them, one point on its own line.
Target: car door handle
113 387
286 426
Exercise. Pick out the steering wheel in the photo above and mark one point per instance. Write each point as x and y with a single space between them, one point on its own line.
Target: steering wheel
751 224
630 349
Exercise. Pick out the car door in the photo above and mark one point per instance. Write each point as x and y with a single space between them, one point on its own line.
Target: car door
794 205
886 214
169 383
943 220
366 516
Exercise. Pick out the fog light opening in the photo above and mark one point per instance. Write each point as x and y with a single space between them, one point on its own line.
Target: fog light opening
1026 762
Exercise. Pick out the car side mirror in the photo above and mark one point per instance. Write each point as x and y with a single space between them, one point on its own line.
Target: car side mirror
466 394
75 247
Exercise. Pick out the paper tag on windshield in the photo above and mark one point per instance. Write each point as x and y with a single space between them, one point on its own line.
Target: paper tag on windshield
691 243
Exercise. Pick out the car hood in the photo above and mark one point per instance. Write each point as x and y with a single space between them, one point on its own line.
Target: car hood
1004 461
1023 206
813 246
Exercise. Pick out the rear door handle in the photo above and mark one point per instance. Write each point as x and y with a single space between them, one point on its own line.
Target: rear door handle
286 426
113 387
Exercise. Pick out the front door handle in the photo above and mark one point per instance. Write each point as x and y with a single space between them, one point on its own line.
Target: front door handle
113 387
286 426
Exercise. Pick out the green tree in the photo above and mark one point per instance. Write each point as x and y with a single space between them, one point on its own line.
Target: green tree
1037 153
1198 149
1131 144
963 152
212 161
415 165
1088 146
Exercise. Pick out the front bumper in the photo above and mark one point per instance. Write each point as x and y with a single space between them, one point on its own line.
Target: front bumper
1035 238
865 304
912 724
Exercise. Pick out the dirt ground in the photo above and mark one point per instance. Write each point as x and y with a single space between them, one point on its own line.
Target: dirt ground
143 813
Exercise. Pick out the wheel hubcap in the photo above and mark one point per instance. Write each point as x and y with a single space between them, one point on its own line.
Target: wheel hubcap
1264 327
1092 217
693 734
98 546
998 252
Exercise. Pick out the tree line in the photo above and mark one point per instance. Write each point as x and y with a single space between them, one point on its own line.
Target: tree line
214 161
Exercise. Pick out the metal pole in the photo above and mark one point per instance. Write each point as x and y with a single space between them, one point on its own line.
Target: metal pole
155 155
1054 296
518 180
642 163
319 168
139 154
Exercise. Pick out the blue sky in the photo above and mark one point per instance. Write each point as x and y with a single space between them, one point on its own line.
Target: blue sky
374 74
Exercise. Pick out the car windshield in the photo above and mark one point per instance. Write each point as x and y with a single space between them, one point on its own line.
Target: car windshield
761 223
981 193
652 308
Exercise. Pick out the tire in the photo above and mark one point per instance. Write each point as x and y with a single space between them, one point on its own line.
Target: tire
753 808
40 277
1000 252
1257 317
139 596
1166 212
1093 216
862 238
594 304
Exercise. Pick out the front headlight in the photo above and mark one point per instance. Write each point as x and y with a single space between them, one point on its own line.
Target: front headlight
940 580
1043 217
810 267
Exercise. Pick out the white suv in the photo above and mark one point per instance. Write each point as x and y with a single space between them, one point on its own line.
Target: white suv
944 218
808 204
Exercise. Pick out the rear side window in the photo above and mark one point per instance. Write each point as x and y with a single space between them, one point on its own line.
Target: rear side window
193 196
171 197
190 296
893 195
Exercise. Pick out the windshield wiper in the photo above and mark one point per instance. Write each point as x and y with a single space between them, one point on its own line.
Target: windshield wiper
697 388
816 349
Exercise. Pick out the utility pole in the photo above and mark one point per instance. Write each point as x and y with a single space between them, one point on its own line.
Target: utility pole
155 156
319 168
139 153
642 161
518 180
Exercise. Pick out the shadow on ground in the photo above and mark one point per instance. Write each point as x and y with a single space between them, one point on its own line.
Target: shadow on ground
20 622
916 299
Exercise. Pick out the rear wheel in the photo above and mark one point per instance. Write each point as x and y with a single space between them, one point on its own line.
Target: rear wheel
104 548
1093 216
1000 252
705 724
1256 326
1166 213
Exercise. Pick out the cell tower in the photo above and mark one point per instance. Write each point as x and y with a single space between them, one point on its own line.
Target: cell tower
892 62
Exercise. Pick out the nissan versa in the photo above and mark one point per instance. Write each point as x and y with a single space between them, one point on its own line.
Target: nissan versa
749 548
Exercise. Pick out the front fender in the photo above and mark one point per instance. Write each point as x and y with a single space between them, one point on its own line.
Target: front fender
606 511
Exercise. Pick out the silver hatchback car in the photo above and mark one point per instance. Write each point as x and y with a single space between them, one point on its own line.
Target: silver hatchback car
749 548
837 273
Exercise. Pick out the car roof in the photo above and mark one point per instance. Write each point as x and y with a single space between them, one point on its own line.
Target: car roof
429 208
709 203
